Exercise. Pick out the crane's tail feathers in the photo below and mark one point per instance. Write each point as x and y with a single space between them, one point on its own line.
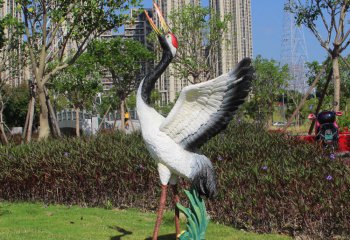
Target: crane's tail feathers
204 180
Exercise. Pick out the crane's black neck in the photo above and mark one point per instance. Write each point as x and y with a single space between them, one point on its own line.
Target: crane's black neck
151 78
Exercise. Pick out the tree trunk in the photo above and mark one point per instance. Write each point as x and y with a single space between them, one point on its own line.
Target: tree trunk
30 120
115 121
269 115
53 119
24 133
122 115
28 126
320 101
44 130
336 75
302 102
77 123
130 117
103 119
2 129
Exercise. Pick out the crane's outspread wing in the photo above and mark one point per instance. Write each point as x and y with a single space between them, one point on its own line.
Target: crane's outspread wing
204 109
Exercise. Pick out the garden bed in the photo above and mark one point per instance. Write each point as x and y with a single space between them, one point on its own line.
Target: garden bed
267 182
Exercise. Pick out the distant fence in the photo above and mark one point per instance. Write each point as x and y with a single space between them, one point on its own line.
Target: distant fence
89 123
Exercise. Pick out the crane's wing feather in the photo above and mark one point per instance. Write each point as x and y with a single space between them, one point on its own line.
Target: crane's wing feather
204 109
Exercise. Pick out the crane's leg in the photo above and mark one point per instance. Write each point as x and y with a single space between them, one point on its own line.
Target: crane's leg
160 211
177 211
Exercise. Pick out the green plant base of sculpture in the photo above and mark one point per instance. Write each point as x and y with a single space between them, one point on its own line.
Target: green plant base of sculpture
197 219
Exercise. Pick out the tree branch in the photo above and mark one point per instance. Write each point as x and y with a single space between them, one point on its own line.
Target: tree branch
345 37
53 72
345 61
345 46
42 59
323 17
323 43
340 29
64 45
29 39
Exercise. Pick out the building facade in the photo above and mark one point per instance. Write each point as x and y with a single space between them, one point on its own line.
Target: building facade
138 30
170 84
237 41
12 69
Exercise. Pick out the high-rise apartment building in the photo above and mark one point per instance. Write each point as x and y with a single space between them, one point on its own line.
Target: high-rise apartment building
170 83
12 69
167 6
137 29
237 41
107 81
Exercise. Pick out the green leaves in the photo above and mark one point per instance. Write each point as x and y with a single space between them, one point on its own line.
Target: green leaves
272 181
71 23
332 13
122 59
80 82
267 181
17 106
197 219
2 36
267 86
199 33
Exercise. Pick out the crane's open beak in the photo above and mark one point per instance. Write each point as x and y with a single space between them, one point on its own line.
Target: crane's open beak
165 28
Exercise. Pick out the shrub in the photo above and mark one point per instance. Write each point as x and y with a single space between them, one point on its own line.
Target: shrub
267 182
107 168
271 182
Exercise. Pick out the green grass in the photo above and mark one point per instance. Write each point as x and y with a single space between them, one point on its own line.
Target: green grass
38 222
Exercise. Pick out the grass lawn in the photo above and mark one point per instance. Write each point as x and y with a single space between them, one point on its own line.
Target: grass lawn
38 222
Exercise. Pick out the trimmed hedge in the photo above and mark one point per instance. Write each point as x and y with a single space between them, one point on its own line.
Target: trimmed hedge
271 182
267 182
101 170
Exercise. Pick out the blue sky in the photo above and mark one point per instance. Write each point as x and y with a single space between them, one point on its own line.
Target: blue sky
267 26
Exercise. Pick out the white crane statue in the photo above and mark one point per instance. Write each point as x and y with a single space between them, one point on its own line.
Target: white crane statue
201 111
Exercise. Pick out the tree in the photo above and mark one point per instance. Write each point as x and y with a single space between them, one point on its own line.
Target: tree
10 61
2 28
3 96
332 15
315 67
292 100
199 33
58 31
2 37
16 105
80 83
345 76
267 86
122 59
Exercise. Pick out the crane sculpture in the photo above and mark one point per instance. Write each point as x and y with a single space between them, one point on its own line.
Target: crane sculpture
201 111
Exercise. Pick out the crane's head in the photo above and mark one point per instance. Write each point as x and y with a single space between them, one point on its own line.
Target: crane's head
167 39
